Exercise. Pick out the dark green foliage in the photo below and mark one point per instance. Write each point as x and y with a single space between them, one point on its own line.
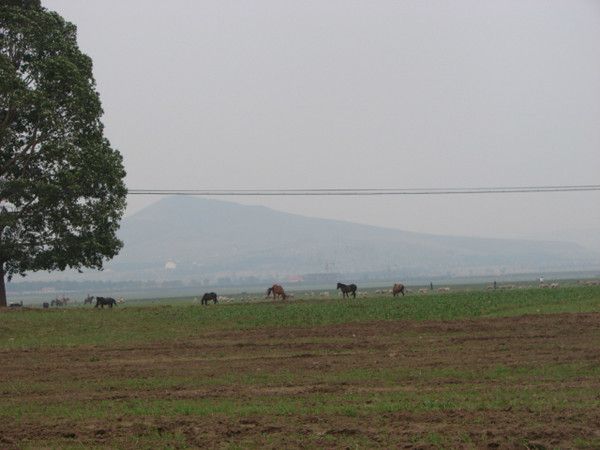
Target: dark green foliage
62 192
31 4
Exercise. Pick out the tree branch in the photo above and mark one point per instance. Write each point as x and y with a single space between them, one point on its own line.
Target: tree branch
9 114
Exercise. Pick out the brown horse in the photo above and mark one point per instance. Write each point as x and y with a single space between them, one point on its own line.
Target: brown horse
398 289
277 290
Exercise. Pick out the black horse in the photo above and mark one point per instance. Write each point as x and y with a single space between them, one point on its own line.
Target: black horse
347 289
101 301
209 296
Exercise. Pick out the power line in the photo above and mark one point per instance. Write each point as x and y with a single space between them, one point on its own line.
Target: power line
366 191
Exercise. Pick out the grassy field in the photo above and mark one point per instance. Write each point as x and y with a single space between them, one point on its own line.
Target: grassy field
514 368
155 322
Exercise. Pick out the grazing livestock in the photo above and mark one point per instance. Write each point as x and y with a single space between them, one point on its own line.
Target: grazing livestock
347 289
45 305
209 296
276 290
60 301
88 300
15 304
398 289
554 286
444 289
101 301
423 291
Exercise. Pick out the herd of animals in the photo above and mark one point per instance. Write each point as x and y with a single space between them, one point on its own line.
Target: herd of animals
64 301
277 292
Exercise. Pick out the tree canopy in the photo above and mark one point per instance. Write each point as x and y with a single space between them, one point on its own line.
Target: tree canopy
62 190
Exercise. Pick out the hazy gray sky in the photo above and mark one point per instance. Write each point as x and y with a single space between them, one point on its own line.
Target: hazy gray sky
307 94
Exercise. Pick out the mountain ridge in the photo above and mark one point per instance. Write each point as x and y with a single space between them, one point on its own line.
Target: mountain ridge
206 236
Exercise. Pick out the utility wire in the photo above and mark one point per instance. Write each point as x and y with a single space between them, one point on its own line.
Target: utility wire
366 191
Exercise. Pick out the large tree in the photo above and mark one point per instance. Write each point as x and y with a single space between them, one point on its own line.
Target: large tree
62 190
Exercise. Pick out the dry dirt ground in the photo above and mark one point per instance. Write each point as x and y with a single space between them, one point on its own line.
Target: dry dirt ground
524 382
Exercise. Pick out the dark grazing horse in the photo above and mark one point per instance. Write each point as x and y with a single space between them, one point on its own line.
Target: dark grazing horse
398 289
347 289
101 301
209 296
276 290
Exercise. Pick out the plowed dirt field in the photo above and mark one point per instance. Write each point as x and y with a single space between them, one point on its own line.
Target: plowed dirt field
521 382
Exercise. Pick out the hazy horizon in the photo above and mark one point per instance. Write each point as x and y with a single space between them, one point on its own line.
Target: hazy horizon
282 94
193 239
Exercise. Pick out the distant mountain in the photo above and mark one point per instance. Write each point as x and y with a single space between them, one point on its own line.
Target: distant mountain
195 237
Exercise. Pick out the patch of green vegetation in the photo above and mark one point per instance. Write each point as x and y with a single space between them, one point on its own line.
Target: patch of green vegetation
435 439
411 378
128 325
586 442
534 398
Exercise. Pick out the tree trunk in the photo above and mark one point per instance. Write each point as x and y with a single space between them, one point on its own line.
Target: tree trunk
2 287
